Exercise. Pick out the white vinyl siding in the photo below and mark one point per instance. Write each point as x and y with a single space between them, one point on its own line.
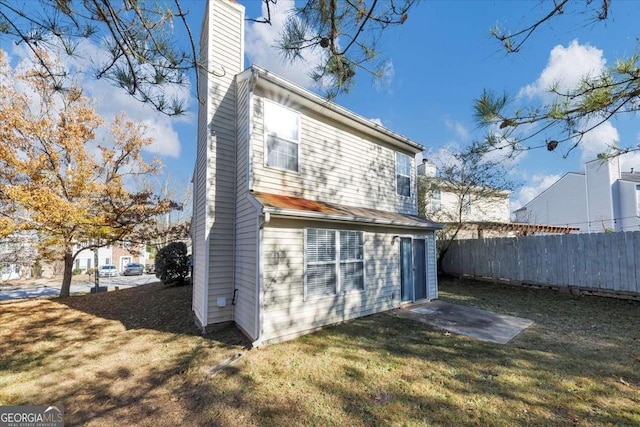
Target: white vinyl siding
215 212
336 164
246 225
403 175
282 136
334 262
287 313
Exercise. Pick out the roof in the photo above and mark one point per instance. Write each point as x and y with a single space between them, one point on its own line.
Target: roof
295 207
274 83
520 228
630 176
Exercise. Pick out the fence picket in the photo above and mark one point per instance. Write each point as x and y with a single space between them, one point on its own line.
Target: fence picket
609 261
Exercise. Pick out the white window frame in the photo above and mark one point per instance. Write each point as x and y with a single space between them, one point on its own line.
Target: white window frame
435 207
397 173
337 262
638 200
266 135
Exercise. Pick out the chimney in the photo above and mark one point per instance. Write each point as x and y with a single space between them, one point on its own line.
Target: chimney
427 169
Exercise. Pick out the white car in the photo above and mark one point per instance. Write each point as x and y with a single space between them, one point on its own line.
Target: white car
107 271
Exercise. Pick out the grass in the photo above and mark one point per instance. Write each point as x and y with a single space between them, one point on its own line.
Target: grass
133 357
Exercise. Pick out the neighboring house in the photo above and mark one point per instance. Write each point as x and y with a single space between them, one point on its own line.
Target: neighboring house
119 254
603 198
17 255
444 203
304 213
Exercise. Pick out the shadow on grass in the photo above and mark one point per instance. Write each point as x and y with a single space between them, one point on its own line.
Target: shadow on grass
135 358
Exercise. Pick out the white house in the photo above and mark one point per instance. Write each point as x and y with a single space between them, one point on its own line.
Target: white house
304 212
602 198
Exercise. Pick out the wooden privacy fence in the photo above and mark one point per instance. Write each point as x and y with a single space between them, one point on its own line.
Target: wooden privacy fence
597 261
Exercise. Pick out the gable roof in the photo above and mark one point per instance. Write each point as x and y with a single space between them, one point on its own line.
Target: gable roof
281 87
296 207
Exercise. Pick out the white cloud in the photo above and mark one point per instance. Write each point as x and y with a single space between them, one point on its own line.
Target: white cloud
537 185
388 73
111 101
261 41
597 141
377 121
458 129
565 68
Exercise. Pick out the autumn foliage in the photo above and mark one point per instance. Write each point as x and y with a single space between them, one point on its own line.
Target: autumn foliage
58 178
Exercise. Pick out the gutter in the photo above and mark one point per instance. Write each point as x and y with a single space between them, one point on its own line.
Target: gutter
296 214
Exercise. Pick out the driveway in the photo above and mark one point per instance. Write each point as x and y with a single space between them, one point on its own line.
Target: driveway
51 288
465 320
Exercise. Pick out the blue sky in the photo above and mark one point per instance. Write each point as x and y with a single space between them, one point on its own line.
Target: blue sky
440 60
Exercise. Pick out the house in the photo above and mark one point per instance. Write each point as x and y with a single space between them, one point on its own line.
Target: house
602 198
304 212
119 254
478 212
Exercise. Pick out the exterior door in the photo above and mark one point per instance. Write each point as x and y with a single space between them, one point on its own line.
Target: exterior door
413 271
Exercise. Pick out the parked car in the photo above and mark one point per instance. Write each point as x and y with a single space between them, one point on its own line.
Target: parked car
150 268
107 270
133 269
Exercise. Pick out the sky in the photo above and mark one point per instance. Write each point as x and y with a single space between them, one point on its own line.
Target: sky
438 62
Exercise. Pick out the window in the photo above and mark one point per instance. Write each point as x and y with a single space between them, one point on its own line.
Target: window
282 135
332 267
466 204
403 175
638 200
436 200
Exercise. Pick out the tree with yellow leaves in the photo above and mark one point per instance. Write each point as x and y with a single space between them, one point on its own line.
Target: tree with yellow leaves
58 180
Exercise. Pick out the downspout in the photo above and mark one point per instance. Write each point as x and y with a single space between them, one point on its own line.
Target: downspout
263 219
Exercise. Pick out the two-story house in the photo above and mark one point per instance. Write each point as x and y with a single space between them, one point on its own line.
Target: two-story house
304 212
473 212
602 198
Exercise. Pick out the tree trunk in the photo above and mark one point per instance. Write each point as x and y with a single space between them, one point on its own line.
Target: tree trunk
65 290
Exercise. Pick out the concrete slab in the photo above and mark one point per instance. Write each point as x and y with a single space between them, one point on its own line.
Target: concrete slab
474 322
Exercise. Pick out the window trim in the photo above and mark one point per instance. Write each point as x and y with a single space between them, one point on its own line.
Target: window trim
265 146
339 289
396 174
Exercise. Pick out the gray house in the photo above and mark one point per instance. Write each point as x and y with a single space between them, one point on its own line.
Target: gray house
304 212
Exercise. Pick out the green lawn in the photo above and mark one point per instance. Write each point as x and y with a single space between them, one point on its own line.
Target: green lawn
133 357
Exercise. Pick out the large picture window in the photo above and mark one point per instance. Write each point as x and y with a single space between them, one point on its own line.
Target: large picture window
403 175
282 135
334 262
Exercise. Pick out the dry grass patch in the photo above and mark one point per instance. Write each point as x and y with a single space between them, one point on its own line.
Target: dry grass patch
133 357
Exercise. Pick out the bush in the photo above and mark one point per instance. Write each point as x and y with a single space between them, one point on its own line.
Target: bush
91 271
77 271
172 263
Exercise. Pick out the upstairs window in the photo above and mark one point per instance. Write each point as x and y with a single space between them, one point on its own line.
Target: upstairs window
436 200
638 200
282 136
403 175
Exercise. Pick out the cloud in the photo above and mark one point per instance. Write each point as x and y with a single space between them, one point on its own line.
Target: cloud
377 121
458 129
597 141
261 46
110 101
538 184
385 80
566 68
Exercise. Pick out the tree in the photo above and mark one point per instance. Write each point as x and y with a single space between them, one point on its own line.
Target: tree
172 263
150 47
470 179
57 180
573 112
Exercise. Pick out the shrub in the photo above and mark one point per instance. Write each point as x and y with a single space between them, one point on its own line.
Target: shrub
77 271
172 263
91 271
